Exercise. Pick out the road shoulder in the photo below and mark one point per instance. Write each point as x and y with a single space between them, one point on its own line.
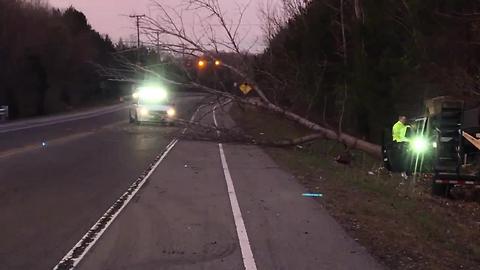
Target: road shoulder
182 218
287 230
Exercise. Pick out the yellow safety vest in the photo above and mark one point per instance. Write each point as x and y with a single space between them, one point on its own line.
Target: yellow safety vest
399 132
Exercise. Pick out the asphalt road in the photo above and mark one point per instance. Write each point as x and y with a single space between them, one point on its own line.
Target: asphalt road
51 194
199 205
219 206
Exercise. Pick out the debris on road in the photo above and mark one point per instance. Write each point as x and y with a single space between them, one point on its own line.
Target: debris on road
344 158
312 195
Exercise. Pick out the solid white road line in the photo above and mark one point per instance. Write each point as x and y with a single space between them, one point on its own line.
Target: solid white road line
78 252
247 254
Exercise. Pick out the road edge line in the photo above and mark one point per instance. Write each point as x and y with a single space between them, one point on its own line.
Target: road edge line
72 259
245 247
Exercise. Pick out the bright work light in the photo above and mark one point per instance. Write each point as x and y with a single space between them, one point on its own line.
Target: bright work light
419 145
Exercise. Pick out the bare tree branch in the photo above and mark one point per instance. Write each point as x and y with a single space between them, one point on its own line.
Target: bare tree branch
183 44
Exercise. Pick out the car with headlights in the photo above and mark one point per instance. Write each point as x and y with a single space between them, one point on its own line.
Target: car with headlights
152 104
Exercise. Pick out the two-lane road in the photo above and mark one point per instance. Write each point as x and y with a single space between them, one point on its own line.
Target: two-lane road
104 194
221 206
51 194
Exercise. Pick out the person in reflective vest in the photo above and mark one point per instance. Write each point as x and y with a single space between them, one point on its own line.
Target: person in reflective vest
400 139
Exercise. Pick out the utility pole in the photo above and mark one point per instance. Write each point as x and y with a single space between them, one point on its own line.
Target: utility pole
158 45
138 17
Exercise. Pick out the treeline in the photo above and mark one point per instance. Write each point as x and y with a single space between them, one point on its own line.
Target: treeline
48 58
363 62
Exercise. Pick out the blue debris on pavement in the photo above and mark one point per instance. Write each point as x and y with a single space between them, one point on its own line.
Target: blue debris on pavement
312 195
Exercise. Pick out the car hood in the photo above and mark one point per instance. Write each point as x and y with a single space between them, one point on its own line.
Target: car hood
156 107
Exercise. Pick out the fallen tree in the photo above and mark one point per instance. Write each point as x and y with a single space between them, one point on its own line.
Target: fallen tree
349 141
168 31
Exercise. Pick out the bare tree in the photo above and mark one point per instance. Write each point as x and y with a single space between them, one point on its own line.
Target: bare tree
216 32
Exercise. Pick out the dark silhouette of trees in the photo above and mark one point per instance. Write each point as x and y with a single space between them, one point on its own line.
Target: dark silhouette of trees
48 59
389 55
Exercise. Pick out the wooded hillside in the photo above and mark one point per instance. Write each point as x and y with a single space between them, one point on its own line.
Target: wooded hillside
383 58
47 59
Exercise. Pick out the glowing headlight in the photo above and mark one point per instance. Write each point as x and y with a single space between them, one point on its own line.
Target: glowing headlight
419 145
135 95
171 112
144 111
152 93
434 144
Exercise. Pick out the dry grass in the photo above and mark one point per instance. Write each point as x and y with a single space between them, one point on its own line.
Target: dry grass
398 221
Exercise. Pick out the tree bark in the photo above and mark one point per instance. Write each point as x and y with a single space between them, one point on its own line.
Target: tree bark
350 141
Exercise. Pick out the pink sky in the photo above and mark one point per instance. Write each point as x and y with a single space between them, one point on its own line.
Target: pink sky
109 16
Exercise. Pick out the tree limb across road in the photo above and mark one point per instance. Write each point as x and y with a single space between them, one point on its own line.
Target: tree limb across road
186 45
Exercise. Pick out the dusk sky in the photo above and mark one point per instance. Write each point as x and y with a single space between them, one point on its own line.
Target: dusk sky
111 16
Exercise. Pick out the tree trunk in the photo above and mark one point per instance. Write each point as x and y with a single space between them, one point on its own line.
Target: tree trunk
350 141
